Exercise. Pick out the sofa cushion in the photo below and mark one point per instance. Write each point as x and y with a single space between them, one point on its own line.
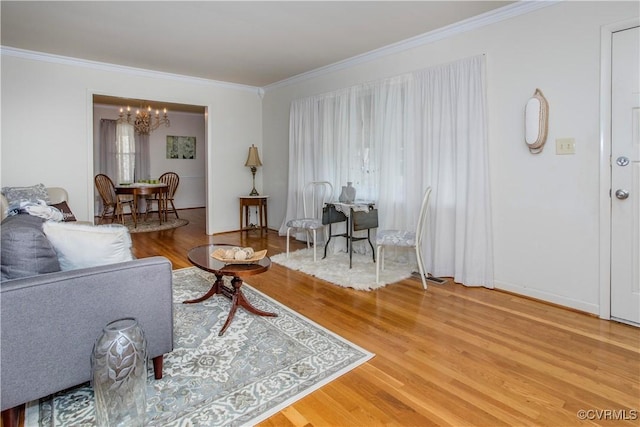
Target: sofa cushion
85 245
25 250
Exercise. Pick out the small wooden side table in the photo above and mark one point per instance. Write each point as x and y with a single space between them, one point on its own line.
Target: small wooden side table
245 203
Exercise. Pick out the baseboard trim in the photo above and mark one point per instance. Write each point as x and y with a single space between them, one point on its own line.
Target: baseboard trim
547 297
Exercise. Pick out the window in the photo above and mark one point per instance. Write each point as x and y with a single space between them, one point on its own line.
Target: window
125 153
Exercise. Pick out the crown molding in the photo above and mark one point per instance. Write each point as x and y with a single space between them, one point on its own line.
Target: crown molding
507 12
102 66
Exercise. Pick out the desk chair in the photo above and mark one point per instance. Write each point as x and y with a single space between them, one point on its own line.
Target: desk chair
405 238
314 196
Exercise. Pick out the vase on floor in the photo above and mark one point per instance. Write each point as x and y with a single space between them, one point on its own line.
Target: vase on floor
348 194
119 374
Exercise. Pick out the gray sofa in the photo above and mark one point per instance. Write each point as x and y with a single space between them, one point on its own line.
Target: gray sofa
49 321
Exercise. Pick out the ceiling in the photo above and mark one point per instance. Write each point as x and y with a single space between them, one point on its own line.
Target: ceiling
242 42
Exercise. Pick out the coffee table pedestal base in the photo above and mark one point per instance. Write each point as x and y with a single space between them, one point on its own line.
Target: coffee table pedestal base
237 299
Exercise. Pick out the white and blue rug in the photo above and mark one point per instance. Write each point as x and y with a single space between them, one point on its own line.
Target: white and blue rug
260 366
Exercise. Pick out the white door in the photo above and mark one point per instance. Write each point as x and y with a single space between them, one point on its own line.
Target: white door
625 176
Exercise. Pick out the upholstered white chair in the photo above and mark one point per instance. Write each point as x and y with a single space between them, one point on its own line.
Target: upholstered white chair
314 196
406 239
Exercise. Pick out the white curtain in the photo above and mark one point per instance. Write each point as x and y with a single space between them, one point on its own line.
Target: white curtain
393 139
107 148
143 157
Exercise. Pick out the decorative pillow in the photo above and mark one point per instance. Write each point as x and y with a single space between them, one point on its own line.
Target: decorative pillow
25 250
66 211
86 245
33 193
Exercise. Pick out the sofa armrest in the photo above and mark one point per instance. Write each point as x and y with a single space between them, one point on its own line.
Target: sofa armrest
57 195
50 322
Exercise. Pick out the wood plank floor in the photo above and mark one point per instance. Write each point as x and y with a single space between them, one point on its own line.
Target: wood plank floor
450 355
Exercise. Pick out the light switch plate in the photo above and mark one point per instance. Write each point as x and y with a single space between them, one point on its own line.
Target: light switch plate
565 146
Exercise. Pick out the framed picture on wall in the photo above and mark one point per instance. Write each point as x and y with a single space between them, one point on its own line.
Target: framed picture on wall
181 147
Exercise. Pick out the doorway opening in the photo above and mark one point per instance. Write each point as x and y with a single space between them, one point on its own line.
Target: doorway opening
187 123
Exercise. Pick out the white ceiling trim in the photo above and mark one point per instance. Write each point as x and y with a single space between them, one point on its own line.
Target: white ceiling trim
103 66
501 14
491 17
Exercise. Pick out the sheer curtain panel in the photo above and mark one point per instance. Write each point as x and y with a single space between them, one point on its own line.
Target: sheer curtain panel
143 158
107 148
394 138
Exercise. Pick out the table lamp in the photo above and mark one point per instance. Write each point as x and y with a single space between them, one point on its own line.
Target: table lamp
253 161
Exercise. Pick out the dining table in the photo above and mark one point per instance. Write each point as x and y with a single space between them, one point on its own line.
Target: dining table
144 189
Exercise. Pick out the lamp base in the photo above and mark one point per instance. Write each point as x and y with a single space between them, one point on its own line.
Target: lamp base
254 192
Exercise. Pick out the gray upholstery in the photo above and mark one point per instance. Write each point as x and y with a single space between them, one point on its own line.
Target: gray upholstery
25 249
49 322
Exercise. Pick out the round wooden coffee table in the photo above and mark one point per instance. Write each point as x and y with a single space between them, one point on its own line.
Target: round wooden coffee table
200 256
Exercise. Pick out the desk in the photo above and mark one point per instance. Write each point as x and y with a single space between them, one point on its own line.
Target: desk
245 203
139 189
359 215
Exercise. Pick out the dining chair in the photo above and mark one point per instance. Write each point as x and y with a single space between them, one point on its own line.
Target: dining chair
314 196
113 203
172 180
406 239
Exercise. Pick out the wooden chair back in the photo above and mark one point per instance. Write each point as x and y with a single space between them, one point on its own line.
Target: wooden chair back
172 180
106 189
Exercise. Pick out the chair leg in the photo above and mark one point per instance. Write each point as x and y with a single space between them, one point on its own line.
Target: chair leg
421 266
118 212
288 230
175 211
149 202
378 264
314 246
134 213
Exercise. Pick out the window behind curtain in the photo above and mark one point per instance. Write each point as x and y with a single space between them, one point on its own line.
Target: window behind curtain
395 137
125 153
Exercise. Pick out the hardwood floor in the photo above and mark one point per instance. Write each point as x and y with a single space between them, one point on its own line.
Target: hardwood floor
450 355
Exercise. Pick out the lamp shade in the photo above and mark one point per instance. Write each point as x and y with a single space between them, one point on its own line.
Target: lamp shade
253 159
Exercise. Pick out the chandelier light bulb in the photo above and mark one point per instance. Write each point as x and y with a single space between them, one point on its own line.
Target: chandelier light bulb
144 122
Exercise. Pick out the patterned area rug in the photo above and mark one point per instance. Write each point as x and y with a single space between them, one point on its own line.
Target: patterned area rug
259 366
154 225
335 268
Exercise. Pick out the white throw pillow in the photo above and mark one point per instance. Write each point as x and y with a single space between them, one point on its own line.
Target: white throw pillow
87 245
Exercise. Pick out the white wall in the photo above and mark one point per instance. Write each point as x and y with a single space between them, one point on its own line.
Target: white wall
47 128
192 172
545 207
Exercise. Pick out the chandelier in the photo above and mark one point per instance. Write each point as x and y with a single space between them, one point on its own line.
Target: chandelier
144 121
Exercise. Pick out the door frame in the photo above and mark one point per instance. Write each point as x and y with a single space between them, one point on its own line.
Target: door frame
606 38
207 151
